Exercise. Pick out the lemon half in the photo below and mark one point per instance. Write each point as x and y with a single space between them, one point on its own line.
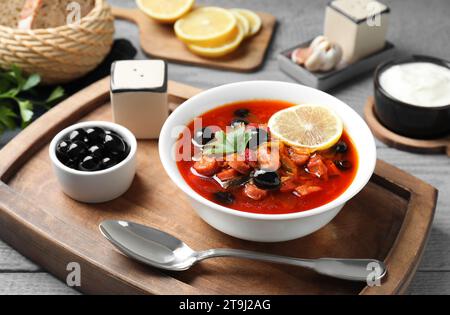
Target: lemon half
315 127
167 11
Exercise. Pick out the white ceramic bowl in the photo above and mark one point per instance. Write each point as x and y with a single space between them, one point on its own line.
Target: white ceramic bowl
98 186
266 227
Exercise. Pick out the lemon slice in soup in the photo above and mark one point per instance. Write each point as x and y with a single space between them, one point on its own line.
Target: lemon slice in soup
315 127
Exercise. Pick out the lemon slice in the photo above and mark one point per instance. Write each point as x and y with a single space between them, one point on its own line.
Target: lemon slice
315 127
166 11
222 50
253 19
243 21
206 26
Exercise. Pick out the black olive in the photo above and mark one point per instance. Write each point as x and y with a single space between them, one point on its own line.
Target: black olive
92 149
236 122
224 197
110 132
63 158
266 180
108 162
127 150
203 136
259 136
61 150
89 164
96 150
63 146
95 135
76 150
341 147
77 135
118 156
343 164
242 112
113 143
72 163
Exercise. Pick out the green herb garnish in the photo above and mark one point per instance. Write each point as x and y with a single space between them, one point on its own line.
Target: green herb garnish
19 95
235 141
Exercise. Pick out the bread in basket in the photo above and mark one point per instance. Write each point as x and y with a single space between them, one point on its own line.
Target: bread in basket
60 54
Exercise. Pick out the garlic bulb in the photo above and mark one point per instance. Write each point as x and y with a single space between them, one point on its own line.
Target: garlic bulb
321 55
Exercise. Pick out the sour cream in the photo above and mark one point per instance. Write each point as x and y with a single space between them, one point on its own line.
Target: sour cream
418 83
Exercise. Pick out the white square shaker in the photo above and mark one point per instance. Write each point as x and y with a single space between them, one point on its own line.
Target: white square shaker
358 26
139 96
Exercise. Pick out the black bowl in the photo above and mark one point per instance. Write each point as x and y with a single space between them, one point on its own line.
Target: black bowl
407 119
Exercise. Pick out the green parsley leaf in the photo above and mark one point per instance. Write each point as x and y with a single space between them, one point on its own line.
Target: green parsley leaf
235 141
21 91
57 93
32 81
26 111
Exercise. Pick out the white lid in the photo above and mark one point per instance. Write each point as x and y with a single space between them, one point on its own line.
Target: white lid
139 75
359 9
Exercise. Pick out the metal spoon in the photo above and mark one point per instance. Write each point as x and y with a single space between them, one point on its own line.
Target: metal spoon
159 249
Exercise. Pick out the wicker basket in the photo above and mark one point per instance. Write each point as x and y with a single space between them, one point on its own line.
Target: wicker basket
63 53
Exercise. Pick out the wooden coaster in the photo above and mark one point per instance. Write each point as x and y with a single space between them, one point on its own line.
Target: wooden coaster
159 41
397 141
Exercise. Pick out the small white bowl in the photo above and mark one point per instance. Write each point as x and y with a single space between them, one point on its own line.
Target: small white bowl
98 186
266 227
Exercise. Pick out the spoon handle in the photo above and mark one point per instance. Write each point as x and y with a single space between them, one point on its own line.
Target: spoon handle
348 269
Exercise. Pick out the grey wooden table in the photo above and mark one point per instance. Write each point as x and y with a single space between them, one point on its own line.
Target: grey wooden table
416 26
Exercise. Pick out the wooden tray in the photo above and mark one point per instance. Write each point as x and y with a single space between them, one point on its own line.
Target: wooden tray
159 41
392 139
389 220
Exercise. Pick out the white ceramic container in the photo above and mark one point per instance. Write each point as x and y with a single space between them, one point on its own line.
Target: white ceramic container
266 227
98 186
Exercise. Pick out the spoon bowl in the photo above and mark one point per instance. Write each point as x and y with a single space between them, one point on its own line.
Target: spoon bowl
148 245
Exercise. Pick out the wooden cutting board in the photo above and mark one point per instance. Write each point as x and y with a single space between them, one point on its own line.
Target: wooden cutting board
390 138
388 220
159 41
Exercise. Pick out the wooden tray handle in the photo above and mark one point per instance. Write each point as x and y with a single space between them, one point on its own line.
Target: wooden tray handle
408 248
132 15
179 92
182 90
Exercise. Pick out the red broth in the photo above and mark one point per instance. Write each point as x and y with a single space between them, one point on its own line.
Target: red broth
275 202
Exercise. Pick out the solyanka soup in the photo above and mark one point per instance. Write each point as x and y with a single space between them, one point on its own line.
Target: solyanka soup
229 156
